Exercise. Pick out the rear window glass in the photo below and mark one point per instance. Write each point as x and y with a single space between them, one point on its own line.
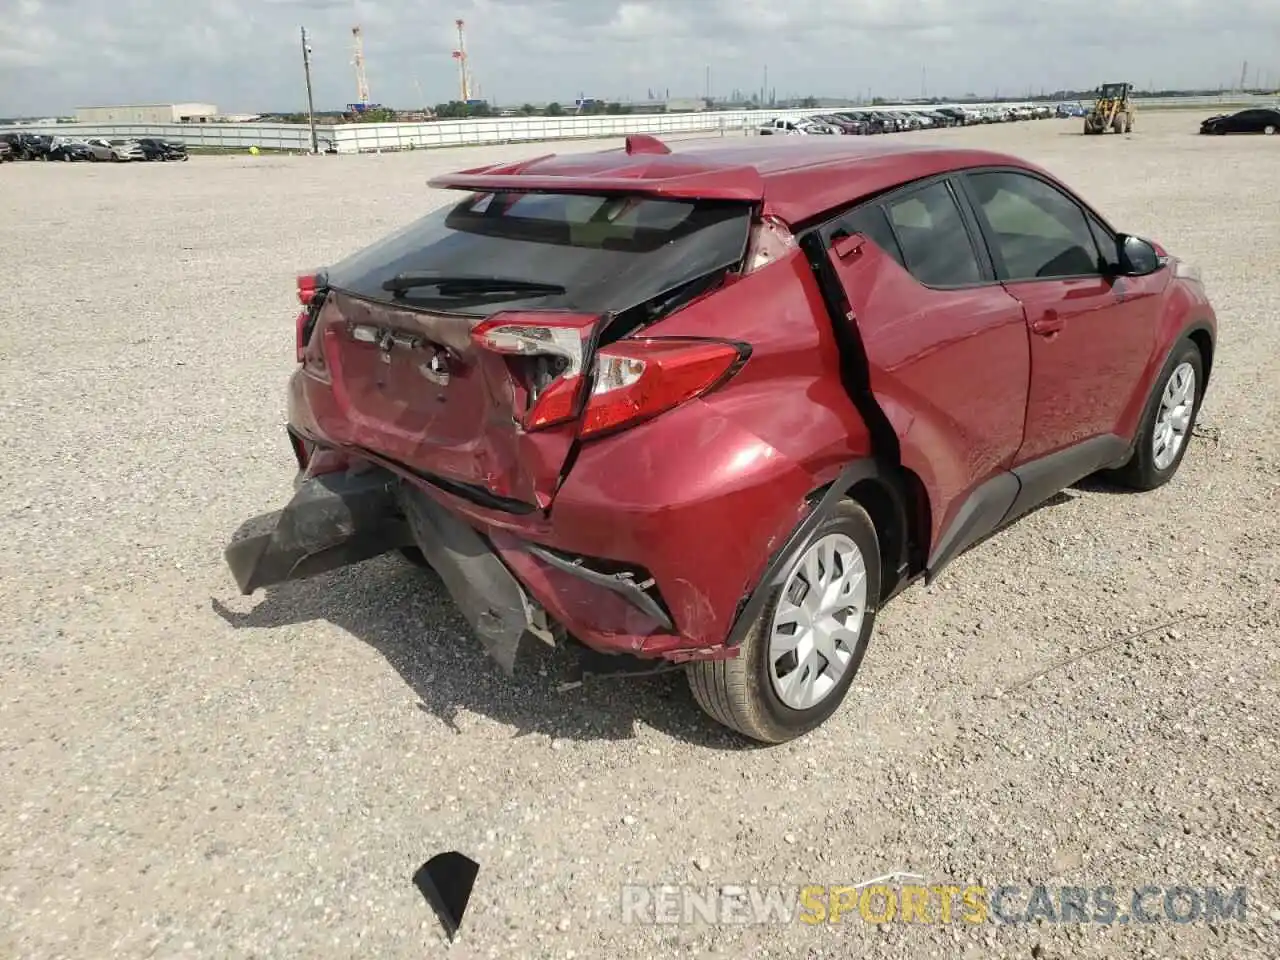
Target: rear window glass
607 253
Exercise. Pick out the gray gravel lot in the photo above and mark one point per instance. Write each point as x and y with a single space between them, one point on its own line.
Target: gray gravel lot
189 772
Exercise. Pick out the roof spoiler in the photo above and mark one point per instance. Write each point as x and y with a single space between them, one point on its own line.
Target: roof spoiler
679 182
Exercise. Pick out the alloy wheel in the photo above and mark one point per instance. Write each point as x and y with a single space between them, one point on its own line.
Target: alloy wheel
1173 419
817 622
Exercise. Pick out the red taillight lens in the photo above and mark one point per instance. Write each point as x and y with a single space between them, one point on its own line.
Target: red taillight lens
639 379
562 340
308 285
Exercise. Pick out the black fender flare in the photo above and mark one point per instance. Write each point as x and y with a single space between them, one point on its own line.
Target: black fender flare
1204 327
1195 326
824 501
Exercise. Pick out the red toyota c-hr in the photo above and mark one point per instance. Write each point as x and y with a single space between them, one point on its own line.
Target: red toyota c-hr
714 407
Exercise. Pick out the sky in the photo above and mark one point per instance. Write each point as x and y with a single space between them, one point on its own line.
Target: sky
245 55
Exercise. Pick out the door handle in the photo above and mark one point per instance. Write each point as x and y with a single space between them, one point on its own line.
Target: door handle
1048 324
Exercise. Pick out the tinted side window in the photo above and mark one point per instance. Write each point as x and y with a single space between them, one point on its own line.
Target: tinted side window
871 223
935 244
1038 231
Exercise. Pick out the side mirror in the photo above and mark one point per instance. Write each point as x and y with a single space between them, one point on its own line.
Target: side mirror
1138 257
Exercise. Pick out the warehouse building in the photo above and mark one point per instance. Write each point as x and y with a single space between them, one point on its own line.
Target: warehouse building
148 113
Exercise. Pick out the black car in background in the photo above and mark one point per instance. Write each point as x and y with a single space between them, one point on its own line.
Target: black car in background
1265 120
27 146
64 149
154 148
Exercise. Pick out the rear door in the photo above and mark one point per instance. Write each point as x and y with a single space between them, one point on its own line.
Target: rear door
945 345
460 347
1091 333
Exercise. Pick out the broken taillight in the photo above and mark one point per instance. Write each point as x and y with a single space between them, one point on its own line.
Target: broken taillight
630 381
557 345
310 286
636 380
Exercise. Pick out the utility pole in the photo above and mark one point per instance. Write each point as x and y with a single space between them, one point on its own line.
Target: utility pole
311 106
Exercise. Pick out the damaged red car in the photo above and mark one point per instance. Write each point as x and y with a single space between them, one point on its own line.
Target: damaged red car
714 406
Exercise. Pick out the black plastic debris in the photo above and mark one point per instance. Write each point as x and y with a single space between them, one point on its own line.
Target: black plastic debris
446 881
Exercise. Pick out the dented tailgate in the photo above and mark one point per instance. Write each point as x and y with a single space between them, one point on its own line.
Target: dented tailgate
414 387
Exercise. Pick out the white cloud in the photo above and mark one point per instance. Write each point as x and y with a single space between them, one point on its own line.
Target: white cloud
244 54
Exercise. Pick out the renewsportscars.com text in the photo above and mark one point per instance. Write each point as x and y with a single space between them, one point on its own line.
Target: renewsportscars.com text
931 904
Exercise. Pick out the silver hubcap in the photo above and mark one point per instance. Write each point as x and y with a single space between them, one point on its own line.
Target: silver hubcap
816 626
1173 419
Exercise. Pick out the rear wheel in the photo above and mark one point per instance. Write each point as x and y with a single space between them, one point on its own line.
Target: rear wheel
799 658
1270 130
1167 422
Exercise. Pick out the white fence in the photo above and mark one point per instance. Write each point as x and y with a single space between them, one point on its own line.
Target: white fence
358 137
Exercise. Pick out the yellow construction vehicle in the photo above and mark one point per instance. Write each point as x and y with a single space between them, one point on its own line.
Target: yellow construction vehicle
1112 110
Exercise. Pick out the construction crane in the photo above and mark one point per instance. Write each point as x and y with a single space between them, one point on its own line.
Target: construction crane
464 74
362 81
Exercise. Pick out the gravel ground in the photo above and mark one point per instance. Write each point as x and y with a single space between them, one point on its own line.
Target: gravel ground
189 772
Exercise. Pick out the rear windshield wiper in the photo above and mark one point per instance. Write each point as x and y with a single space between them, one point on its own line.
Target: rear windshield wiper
463 284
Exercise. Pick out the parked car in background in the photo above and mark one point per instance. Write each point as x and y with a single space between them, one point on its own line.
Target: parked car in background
804 127
6 152
155 148
65 148
99 149
871 124
840 123
34 146
687 424
24 146
1264 120
126 150
888 121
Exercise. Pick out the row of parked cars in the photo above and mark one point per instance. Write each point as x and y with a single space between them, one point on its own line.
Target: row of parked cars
39 146
870 121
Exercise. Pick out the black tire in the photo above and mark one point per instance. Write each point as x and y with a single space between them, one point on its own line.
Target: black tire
739 694
1141 472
